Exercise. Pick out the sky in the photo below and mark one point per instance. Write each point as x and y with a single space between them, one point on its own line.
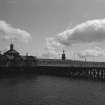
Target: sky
45 27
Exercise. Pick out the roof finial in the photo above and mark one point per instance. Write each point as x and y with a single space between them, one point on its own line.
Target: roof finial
11 45
63 51
11 41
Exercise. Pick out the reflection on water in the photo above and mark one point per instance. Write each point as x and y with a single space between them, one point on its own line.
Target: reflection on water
31 89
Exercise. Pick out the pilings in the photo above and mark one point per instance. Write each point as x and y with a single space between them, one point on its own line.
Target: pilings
90 73
71 72
74 72
97 73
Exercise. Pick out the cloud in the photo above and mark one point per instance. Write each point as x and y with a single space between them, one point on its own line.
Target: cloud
8 32
92 31
54 48
52 43
48 55
97 51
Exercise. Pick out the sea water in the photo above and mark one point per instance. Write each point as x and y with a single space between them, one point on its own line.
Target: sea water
31 89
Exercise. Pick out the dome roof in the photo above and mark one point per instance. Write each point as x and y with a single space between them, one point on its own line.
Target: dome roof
11 51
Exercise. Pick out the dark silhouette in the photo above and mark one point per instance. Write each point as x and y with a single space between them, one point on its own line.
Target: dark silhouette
13 61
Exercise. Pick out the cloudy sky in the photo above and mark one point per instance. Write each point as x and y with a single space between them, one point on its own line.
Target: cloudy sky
45 27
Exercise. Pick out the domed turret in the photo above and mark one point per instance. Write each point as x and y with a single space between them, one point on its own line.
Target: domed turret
63 55
11 51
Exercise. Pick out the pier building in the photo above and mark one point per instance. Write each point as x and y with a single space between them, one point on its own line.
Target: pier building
12 59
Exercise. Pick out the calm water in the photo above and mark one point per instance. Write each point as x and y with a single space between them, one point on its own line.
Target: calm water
50 90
